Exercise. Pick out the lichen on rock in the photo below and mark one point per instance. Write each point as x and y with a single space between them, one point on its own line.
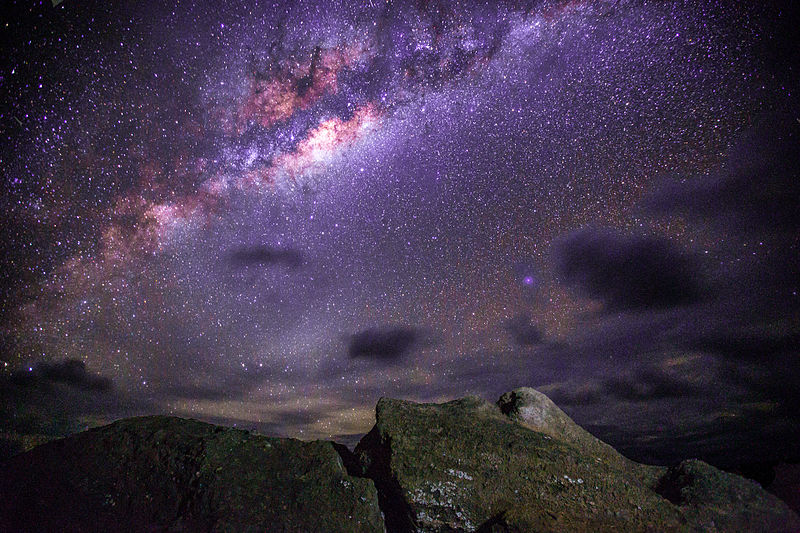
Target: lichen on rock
469 465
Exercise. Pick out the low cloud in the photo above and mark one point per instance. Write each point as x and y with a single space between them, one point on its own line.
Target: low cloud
747 346
644 385
650 384
627 271
523 332
757 189
266 256
54 399
69 372
384 343
217 384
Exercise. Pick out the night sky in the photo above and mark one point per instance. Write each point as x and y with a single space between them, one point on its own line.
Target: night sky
271 215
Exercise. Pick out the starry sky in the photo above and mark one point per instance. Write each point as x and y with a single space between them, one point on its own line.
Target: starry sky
273 214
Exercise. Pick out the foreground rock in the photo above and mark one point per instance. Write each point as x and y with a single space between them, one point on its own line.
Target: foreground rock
169 474
532 409
467 466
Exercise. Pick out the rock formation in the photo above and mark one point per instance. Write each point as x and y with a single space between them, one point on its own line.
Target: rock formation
170 474
468 465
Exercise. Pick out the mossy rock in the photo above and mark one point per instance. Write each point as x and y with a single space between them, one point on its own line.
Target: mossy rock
170 474
534 410
466 466
717 500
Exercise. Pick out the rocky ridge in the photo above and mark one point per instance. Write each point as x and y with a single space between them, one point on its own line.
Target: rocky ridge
524 465
170 474
468 465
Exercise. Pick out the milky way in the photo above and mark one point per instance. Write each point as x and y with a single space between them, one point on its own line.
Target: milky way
272 215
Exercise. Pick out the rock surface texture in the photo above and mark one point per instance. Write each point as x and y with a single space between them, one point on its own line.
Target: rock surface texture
170 474
535 411
468 465
523 465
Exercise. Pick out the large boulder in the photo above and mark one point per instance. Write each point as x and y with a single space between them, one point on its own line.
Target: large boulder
716 500
534 410
467 466
170 474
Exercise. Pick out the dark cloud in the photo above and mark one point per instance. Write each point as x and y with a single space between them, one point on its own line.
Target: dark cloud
650 384
523 332
70 372
566 396
644 385
752 346
266 256
54 399
384 343
717 376
627 271
775 381
748 208
725 441
757 190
